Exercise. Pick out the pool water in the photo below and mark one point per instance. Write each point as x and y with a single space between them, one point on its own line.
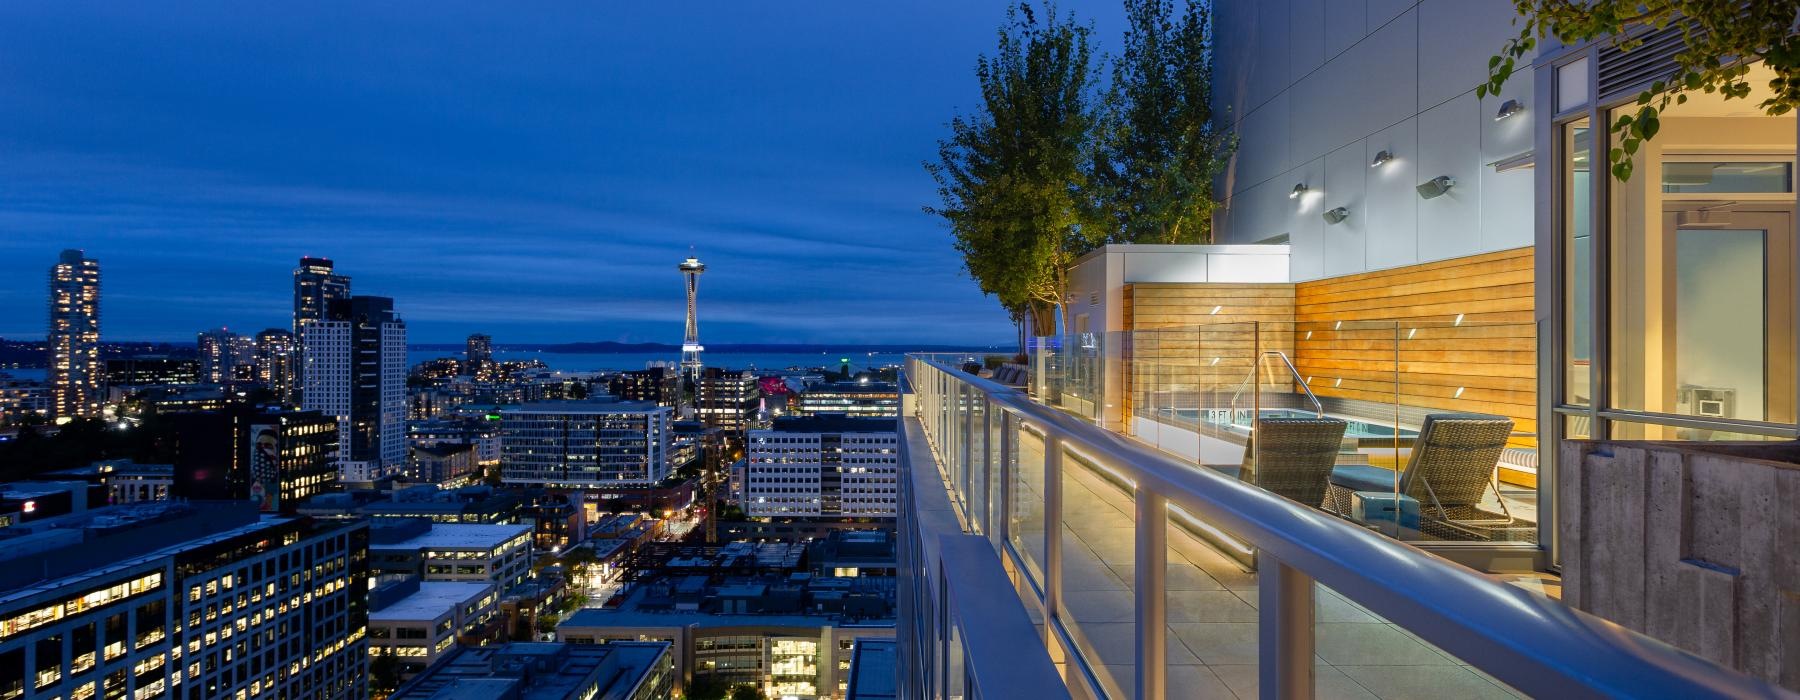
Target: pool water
1223 418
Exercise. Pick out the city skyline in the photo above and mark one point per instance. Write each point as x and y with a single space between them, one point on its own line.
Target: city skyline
531 177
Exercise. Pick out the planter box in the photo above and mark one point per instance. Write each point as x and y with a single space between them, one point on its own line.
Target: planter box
1696 544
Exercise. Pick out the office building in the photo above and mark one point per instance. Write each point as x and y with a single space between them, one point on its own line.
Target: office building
479 355
657 385
277 358
185 601
22 397
585 444
787 637
355 357
458 552
548 671
418 622
123 480
274 458
447 465
726 399
316 285
860 399
76 371
828 465
151 371
29 501
219 357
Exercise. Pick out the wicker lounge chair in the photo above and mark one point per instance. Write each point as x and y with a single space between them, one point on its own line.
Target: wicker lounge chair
1296 456
1451 469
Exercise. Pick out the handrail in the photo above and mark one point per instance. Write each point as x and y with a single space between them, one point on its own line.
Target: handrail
1524 639
1318 408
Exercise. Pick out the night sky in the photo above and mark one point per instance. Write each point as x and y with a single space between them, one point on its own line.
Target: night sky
530 170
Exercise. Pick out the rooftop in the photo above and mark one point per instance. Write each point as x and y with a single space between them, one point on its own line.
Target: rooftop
459 536
537 671
433 599
831 423
607 405
873 669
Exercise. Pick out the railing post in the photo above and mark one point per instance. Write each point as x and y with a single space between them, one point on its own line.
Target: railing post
1285 642
1152 597
1053 496
1008 456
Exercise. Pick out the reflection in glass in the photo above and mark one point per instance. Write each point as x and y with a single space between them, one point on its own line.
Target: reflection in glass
1577 242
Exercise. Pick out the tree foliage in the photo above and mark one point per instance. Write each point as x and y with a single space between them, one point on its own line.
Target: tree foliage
1721 40
1158 147
1011 175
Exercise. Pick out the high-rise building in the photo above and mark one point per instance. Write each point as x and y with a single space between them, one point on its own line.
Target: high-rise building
864 399
276 357
727 398
218 355
657 385
826 465
184 600
355 370
585 444
479 355
690 343
316 285
76 372
151 371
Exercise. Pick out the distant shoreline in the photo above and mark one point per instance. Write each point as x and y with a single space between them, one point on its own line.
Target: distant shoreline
613 348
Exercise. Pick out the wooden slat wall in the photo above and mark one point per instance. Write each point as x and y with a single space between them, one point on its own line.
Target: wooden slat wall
1193 348
1347 341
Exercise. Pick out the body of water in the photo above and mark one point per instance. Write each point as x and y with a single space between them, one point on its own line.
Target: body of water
36 374
584 362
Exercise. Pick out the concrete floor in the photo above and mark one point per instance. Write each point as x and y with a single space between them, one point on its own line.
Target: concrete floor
1212 608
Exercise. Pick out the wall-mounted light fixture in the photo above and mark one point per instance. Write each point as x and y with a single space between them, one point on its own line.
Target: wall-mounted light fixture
1337 215
1436 186
1509 108
1299 189
1381 159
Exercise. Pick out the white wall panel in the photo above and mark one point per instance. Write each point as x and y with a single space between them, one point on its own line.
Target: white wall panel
1346 22
1307 17
1368 88
1345 172
1456 38
1305 227
1380 11
1269 53
1449 144
1263 145
1393 219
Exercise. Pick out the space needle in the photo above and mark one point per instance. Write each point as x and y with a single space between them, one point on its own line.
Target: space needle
690 346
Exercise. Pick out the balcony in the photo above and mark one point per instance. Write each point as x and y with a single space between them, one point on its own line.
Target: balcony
1050 557
1377 422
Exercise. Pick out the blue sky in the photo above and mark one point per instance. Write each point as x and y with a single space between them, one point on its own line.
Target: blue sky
530 170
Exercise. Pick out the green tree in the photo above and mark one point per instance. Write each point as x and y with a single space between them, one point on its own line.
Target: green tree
1722 40
1011 176
705 689
1158 147
746 692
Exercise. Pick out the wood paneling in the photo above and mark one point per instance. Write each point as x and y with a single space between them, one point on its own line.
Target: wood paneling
1201 337
1455 335
1449 336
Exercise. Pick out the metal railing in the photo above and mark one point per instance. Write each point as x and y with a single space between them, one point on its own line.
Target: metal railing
1530 642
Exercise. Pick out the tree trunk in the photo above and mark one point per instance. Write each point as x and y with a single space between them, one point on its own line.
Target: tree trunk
1043 319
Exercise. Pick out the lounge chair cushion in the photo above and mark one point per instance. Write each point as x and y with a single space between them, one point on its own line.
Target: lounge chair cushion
1363 477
